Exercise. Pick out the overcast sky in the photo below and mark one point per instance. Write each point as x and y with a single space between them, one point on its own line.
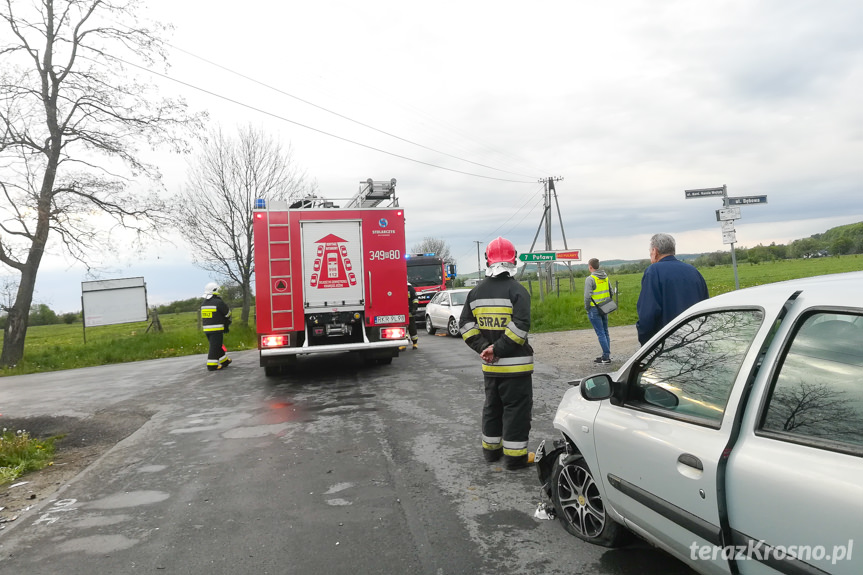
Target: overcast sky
629 102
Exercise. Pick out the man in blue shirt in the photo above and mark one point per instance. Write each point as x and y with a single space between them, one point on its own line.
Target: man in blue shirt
668 287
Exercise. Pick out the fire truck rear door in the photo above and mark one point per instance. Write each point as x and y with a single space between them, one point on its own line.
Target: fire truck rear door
332 264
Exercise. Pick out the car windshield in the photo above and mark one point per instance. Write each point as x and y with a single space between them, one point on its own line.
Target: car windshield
425 275
459 297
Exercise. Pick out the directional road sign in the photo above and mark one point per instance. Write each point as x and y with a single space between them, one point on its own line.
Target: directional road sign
729 237
747 200
565 255
728 214
705 192
727 225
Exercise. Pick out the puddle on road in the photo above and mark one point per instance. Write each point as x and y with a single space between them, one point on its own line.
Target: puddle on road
99 521
255 431
338 502
338 487
152 468
97 544
129 499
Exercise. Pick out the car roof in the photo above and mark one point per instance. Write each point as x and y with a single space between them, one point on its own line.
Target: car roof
837 289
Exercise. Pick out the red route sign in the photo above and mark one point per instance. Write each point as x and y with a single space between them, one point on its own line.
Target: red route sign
568 255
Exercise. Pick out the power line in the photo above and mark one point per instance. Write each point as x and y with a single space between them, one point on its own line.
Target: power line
282 118
534 197
280 91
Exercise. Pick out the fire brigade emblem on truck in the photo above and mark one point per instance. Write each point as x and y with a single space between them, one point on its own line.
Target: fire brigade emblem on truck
332 264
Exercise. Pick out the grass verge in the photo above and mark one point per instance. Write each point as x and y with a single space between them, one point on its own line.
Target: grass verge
20 453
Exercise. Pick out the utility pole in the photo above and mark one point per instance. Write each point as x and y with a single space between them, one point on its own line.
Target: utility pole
546 217
478 266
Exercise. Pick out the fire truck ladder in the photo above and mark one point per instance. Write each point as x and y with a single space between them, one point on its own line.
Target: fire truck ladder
372 194
279 248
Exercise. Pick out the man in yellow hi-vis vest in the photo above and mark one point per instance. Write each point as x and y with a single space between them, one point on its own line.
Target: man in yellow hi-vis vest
495 321
596 290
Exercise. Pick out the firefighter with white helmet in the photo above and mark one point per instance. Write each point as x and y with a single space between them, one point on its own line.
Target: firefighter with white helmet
495 322
215 320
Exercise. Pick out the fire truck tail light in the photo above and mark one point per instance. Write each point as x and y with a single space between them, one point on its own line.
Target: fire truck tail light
392 333
274 340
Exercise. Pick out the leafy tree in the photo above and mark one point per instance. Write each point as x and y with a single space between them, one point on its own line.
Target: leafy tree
69 318
215 210
436 246
41 314
778 252
71 121
191 304
842 245
803 247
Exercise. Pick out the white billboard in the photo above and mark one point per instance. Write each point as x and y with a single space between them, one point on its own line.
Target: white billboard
108 302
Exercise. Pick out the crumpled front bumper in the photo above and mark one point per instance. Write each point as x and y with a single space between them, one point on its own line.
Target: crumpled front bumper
546 455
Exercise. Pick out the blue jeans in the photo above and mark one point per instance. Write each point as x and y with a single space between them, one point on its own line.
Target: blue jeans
600 326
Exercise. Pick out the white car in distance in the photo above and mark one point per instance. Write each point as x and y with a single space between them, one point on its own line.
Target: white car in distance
444 310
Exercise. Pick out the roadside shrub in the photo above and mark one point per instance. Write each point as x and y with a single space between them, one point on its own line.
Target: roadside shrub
20 453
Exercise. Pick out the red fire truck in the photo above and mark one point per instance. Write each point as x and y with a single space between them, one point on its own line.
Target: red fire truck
428 274
330 279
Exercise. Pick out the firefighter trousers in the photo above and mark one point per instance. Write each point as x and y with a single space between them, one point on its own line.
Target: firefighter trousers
217 354
506 418
412 329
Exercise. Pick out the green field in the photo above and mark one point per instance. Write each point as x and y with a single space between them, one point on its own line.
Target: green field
567 311
62 346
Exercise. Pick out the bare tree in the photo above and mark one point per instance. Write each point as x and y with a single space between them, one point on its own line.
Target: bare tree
214 214
435 246
71 117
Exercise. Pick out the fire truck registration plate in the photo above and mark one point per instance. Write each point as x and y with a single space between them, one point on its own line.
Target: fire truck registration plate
389 319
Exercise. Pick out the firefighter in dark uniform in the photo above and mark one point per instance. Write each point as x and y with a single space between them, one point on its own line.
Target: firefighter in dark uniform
215 320
495 322
413 304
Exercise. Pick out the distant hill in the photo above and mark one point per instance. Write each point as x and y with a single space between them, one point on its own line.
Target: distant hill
841 240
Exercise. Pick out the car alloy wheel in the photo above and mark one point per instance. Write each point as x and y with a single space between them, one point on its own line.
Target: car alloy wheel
579 504
430 329
452 327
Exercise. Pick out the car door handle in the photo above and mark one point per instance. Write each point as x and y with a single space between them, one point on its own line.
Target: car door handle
690 461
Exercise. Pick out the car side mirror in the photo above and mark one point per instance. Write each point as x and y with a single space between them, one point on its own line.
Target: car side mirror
661 397
596 387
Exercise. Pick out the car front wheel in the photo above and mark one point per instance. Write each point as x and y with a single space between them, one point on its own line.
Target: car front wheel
452 327
429 327
579 505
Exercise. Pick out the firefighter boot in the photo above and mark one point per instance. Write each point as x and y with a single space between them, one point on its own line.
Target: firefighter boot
513 463
492 455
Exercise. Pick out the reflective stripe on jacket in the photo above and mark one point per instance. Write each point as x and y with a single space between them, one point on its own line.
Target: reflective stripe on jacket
497 312
215 314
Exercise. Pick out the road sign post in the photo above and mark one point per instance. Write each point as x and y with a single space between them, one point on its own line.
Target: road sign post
727 215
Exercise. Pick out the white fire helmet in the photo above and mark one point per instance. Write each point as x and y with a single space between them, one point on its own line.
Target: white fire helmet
211 289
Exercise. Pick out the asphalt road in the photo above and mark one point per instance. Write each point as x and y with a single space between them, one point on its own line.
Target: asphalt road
336 468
